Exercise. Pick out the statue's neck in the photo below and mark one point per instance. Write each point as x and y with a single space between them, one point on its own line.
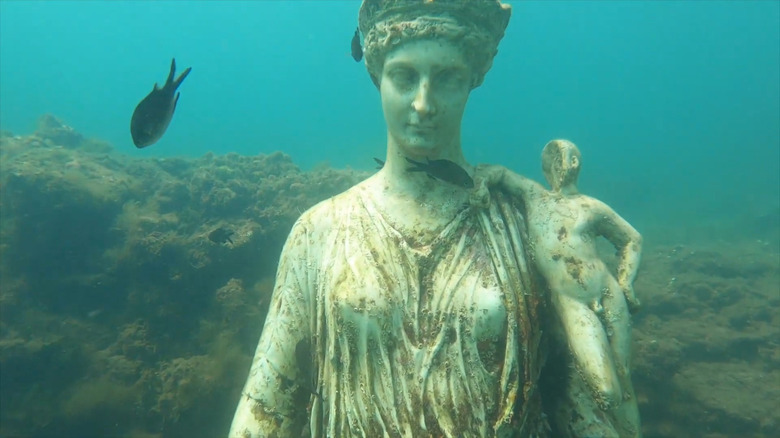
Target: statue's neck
569 190
419 185
413 202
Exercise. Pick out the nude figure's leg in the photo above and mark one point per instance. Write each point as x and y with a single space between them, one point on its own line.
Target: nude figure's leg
591 349
618 323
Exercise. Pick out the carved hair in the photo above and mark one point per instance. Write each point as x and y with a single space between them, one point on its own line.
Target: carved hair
475 26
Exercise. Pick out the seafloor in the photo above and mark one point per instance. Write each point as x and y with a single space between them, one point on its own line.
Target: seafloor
120 317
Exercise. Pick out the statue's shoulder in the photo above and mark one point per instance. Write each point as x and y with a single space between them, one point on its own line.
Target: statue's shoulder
329 212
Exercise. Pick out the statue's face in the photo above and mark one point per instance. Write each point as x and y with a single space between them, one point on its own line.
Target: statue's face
424 87
563 167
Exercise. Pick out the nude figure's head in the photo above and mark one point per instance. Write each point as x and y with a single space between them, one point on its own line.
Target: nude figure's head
561 162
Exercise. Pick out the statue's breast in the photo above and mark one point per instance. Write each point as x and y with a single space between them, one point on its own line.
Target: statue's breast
415 338
450 299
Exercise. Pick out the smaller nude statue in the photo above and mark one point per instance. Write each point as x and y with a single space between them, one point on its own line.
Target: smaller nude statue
592 304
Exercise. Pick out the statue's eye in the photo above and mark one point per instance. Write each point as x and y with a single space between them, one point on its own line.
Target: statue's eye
403 78
451 78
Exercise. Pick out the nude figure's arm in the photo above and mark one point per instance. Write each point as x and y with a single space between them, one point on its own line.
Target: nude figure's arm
489 175
272 398
628 243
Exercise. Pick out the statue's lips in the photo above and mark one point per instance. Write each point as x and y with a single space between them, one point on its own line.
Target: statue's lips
421 128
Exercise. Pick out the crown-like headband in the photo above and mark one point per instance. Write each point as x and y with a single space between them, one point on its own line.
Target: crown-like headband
476 25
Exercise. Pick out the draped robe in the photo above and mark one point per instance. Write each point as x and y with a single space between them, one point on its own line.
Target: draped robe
372 335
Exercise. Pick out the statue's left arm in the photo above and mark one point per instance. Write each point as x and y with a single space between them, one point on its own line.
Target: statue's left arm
628 243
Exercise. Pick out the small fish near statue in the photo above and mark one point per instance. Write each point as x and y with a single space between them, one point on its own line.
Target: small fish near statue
356 48
154 113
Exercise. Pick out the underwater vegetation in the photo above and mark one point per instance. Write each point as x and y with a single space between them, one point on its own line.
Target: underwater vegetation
133 292
123 311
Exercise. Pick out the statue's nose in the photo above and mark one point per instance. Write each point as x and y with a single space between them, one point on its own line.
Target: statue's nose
423 103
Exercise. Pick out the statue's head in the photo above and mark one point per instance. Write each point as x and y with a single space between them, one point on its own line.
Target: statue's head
425 57
474 26
561 163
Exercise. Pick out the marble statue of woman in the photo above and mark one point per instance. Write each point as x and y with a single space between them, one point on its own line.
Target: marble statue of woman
402 308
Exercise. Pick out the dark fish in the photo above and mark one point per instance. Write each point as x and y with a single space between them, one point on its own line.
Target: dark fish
152 116
380 163
444 170
221 235
357 50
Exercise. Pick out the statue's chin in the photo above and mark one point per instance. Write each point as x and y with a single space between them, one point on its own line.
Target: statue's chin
421 148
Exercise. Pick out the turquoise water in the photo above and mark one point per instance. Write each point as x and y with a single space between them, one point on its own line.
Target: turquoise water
675 105
120 317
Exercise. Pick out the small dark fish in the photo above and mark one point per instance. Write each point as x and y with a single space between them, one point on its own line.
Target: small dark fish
221 235
153 114
380 163
357 50
444 170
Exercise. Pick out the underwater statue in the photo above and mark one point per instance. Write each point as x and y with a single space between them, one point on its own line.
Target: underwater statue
410 306
593 306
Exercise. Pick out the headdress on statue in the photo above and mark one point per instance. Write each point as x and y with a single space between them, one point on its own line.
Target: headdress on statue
476 26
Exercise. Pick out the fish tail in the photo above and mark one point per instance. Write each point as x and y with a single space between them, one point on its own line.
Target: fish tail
172 72
181 77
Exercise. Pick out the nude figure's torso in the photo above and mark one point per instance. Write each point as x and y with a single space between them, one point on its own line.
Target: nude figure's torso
563 236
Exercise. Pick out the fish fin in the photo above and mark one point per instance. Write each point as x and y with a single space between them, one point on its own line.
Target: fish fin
172 72
181 77
155 87
380 163
175 101
230 240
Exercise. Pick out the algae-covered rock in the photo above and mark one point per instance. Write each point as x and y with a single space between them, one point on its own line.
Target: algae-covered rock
705 344
157 321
